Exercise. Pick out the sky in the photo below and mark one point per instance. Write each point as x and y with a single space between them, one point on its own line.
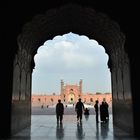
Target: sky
71 57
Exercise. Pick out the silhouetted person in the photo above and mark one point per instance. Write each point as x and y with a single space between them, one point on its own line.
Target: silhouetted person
59 111
96 110
103 112
106 109
86 111
79 107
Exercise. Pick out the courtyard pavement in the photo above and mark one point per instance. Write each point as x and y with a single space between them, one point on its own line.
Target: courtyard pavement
45 127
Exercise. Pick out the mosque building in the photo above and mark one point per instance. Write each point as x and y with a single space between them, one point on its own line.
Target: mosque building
69 94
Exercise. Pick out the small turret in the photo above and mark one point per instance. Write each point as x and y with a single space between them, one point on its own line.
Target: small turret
62 86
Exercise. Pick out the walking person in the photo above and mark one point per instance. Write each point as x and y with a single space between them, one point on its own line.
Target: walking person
59 111
79 108
97 110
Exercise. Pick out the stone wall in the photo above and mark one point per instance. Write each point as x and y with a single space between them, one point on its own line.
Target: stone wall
21 94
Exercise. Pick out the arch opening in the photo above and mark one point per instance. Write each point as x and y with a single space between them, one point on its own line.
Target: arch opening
70 57
93 24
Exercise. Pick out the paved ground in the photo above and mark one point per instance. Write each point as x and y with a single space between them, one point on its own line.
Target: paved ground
45 127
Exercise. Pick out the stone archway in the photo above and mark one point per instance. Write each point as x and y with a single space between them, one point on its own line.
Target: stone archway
79 20
71 98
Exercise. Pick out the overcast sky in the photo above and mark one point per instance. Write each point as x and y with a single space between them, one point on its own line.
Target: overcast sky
71 57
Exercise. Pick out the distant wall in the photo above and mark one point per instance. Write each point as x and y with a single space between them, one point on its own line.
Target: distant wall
38 100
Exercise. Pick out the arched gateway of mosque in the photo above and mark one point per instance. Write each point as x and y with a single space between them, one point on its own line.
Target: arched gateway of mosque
71 93
32 26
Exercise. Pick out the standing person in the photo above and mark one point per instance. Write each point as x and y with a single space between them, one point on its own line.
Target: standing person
103 112
106 109
59 111
79 107
96 110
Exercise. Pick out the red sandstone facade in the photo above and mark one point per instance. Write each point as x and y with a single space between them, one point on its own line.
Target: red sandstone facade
70 94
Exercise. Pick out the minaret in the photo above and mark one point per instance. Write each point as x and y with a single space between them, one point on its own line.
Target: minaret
62 86
80 86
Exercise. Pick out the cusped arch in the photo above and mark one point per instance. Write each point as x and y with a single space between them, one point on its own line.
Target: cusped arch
95 25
